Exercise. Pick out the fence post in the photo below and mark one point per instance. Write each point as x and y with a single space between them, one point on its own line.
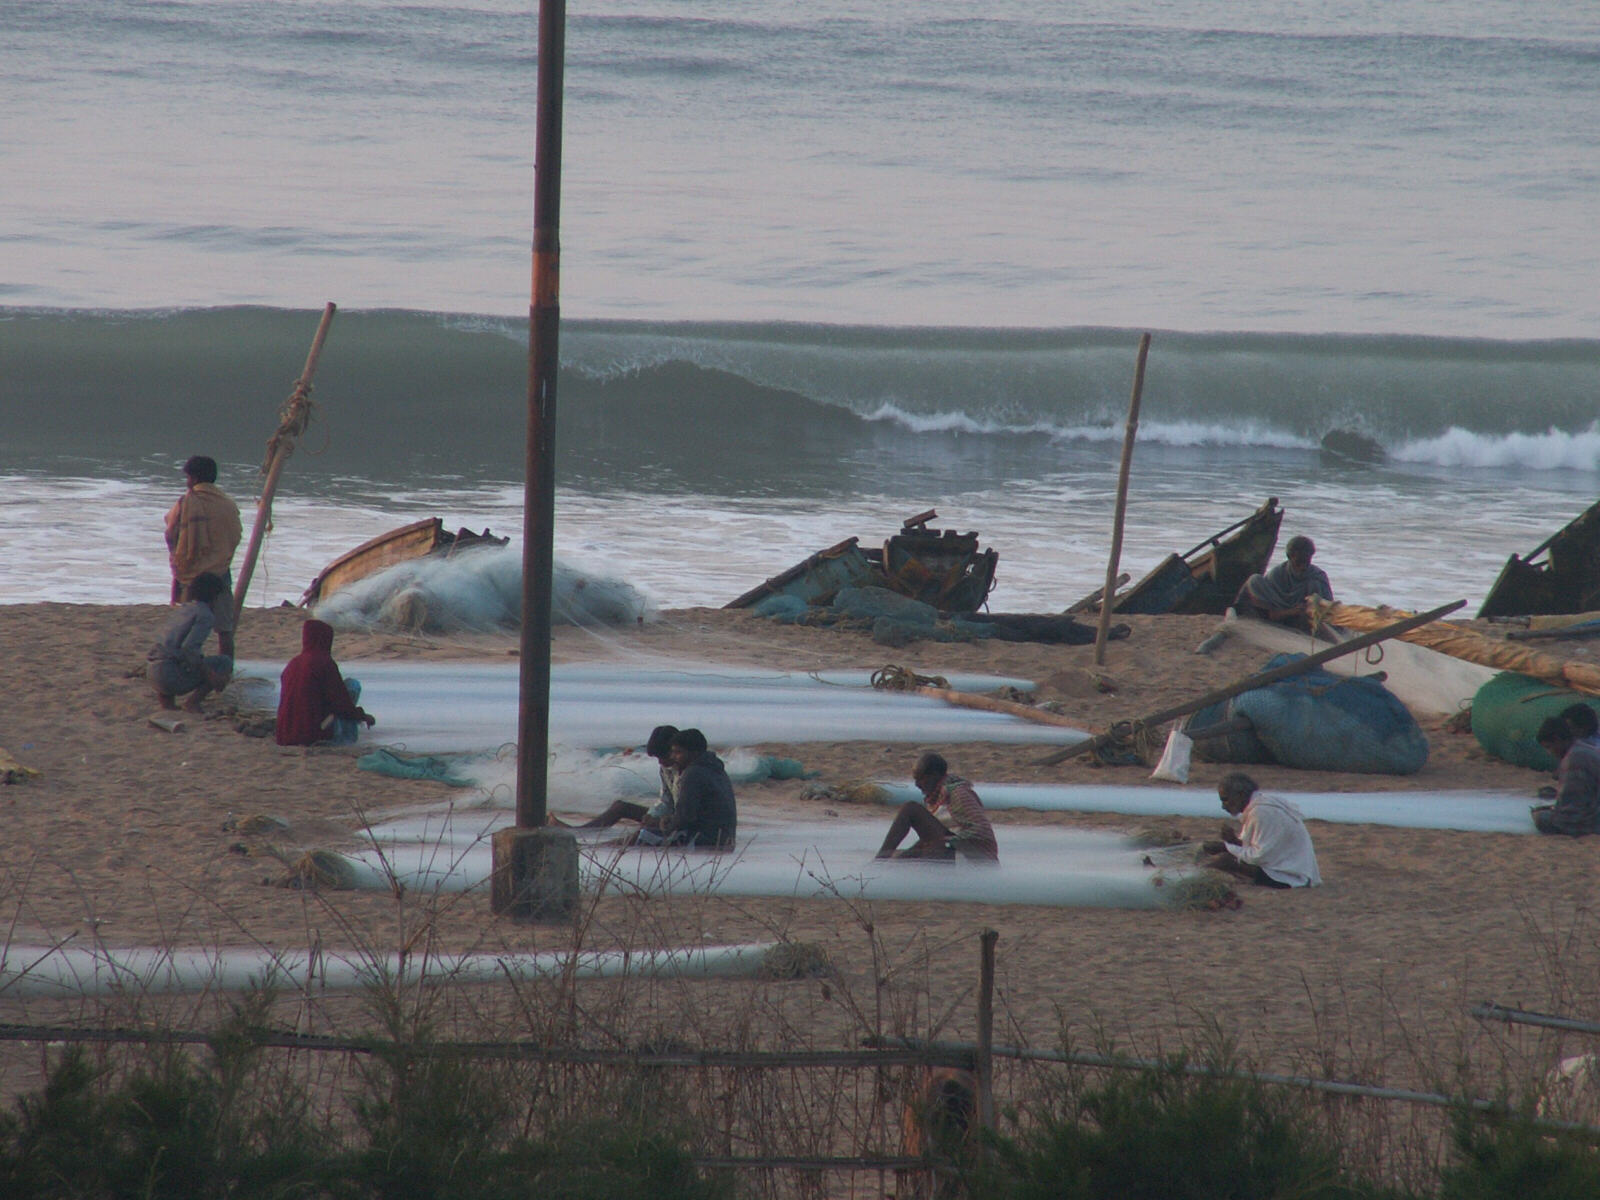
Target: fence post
984 1060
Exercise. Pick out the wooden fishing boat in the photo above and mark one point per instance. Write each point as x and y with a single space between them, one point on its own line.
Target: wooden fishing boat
1566 580
943 568
817 578
417 540
1206 578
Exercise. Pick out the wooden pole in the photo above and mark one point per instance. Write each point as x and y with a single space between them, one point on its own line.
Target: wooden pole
291 424
1287 671
1039 716
1108 593
539 501
983 1060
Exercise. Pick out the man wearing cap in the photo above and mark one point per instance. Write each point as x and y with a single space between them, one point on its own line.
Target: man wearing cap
202 533
1280 594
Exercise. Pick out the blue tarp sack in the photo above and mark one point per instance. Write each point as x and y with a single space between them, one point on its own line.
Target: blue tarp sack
1317 721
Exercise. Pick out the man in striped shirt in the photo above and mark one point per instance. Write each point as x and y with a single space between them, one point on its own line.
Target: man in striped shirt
972 836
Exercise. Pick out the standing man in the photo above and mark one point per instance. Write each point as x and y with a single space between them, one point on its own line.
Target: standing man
1577 807
973 836
1280 594
1272 847
202 533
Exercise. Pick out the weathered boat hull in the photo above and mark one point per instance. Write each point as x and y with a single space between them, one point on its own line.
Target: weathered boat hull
944 568
1566 581
817 578
1208 577
416 540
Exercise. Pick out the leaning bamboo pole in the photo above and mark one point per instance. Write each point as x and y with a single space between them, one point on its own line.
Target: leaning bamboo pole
1129 435
292 422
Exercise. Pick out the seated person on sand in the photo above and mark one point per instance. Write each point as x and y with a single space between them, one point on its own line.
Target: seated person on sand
316 704
1577 807
178 663
1272 847
705 815
658 747
1280 594
973 836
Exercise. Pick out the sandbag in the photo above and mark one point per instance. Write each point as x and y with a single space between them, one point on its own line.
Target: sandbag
1318 721
1508 710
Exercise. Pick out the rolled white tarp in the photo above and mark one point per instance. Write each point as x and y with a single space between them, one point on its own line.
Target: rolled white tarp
58 972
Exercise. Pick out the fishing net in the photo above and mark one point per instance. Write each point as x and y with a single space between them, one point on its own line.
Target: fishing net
476 590
1318 721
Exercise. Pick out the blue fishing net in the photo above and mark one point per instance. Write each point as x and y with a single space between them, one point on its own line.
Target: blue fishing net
1318 721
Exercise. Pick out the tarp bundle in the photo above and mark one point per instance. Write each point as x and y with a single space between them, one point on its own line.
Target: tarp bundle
1317 721
478 589
1461 642
1507 713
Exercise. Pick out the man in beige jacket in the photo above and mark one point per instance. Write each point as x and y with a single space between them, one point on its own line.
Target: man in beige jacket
203 531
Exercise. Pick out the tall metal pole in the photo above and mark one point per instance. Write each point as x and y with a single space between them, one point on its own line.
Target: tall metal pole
539 502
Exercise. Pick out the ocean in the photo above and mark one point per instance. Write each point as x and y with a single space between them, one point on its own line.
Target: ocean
823 267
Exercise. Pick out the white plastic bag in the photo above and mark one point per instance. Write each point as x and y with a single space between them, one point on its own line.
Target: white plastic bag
1174 764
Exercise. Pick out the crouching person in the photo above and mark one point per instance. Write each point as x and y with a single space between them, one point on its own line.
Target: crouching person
1577 808
178 662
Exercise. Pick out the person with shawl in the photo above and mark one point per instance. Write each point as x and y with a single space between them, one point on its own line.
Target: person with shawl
1280 594
316 704
203 531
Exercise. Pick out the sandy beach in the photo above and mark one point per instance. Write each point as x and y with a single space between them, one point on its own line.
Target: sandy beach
126 838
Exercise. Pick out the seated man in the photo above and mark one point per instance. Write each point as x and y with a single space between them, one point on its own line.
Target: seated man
177 662
705 814
658 747
1280 594
1272 847
316 704
973 836
1577 807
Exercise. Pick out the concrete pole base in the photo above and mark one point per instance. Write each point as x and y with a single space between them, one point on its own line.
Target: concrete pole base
535 875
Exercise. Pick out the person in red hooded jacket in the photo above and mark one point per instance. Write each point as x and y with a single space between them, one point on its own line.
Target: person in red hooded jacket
315 703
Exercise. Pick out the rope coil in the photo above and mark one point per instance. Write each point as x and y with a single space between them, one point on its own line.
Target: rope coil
891 678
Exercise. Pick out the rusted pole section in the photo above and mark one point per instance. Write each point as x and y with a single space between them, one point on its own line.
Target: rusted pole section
1108 594
983 1060
292 423
535 873
539 502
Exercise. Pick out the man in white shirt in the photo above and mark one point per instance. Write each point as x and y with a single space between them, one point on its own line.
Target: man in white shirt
1271 847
